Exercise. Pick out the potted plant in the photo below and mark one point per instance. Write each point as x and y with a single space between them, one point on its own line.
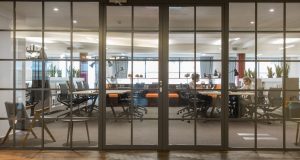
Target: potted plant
287 70
270 72
278 71
52 70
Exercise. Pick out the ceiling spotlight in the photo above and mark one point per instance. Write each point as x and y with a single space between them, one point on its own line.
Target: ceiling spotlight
271 10
236 39
74 21
55 9
252 22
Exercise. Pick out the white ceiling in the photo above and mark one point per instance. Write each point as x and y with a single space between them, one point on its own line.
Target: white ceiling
146 18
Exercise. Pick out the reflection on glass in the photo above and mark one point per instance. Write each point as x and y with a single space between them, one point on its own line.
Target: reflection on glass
270 17
150 13
85 15
57 45
29 15
181 132
6 8
181 18
145 132
208 18
242 16
57 15
119 18
29 45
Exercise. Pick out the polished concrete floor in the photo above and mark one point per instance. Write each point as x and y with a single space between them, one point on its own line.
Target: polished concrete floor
146 155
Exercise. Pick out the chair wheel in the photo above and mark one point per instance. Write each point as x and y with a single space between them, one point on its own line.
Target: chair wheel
188 121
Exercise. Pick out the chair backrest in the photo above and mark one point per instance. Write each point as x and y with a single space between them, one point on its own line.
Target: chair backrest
23 121
64 93
79 86
274 96
86 85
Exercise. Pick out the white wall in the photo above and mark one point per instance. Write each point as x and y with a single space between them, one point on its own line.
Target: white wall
6 79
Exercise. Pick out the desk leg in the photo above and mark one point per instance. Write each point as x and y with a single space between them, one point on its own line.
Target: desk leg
69 127
87 131
297 132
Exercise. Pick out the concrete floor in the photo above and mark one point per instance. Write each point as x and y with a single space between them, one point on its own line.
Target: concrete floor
146 155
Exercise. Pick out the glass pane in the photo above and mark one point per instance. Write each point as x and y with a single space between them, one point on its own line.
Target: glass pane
85 132
181 132
6 9
208 132
28 45
6 70
57 15
85 43
149 13
57 45
292 18
270 46
264 73
181 45
292 46
118 44
4 124
85 15
145 132
241 134
5 96
269 17
208 18
119 18
181 18
57 72
209 45
29 72
292 140
117 132
242 16
29 15
6 45
269 135
59 130
242 44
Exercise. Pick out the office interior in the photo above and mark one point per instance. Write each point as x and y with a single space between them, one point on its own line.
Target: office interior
96 75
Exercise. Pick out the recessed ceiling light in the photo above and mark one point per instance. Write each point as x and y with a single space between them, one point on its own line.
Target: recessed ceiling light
271 10
74 21
235 39
55 9
252 22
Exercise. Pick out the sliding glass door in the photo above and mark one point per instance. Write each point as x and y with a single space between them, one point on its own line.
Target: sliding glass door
132 95
194 76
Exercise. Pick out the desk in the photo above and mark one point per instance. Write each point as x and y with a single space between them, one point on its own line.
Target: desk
233 100
94 95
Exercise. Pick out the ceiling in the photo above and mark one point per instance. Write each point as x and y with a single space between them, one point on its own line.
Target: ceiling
119 21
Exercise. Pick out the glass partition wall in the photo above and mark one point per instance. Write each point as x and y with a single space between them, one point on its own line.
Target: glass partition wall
98 75
194 76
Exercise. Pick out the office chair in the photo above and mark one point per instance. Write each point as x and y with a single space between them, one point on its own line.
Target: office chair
79 86
67 99
274 103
